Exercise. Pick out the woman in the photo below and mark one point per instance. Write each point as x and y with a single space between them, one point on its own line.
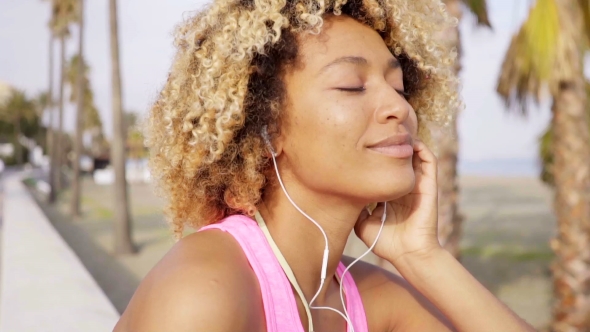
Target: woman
279 123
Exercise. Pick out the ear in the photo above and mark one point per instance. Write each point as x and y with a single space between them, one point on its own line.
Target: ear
278 144
269 144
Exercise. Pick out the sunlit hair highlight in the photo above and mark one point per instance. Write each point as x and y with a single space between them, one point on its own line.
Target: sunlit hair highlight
206 152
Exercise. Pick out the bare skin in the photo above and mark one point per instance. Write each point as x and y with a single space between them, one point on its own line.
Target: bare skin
345 97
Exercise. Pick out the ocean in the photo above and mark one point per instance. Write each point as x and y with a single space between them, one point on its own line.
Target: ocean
500 167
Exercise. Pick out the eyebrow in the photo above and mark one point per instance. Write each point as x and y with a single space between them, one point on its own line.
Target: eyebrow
393 63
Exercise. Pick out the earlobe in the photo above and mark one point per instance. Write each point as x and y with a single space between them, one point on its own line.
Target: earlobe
277 149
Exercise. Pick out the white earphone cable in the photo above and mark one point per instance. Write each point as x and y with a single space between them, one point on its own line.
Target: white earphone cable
326 250
383 217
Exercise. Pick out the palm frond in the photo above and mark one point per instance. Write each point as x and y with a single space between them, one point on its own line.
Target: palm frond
546 156
479 8
538 57
18 106
72 75
42 101
91 116
63 14
585 8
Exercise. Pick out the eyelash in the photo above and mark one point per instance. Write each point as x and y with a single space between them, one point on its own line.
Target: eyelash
361 89
402 93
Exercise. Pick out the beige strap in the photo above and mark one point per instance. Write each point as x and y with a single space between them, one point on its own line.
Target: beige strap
285 266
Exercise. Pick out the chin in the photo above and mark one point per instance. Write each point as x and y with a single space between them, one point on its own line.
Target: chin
387 188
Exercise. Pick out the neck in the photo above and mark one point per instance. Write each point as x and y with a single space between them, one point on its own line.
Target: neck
300 240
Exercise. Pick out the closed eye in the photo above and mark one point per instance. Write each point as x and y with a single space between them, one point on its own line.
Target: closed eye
355 89
402 93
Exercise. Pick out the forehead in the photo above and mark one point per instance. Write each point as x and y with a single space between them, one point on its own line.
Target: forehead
341 36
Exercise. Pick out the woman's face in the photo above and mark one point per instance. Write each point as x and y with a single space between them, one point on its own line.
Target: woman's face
348 129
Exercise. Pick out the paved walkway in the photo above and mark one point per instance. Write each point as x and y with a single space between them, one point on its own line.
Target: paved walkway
2 175
45 288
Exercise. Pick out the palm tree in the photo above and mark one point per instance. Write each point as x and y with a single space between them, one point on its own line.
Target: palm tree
51 135
449 217
123 242
80 87
546 55
16 109
88 119
42 102
91 118
64 13
49 106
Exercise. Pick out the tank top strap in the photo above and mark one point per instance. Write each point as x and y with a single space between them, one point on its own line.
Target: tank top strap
354 303
278 300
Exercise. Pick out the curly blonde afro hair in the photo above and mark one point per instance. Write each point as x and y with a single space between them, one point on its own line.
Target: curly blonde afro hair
206 152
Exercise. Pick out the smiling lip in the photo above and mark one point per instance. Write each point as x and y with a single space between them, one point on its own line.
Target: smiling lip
398 146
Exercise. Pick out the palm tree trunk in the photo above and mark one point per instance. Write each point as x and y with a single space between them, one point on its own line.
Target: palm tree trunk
571 170
123 242
571 151
76 185
449 218
51 133
58 153
18 148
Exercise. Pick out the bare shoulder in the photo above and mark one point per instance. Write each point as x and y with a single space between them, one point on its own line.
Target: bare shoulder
204 282
393 304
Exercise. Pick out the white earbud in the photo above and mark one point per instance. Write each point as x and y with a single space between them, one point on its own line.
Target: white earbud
267 141
326 250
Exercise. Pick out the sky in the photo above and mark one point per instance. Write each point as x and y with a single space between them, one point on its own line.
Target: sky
487 132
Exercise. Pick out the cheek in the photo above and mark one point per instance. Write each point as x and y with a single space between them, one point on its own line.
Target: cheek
332 122
324 149
345 125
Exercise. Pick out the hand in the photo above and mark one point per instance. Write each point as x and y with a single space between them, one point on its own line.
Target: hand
411 226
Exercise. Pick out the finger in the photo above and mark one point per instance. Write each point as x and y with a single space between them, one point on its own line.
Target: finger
427 159
378 210
416 163
364 214
367 229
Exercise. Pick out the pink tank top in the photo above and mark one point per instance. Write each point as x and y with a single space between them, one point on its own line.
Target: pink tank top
280 307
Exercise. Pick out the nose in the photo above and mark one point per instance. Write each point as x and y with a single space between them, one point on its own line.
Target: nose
391 106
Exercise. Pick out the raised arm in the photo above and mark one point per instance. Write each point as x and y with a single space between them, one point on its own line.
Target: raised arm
410 242
469 306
